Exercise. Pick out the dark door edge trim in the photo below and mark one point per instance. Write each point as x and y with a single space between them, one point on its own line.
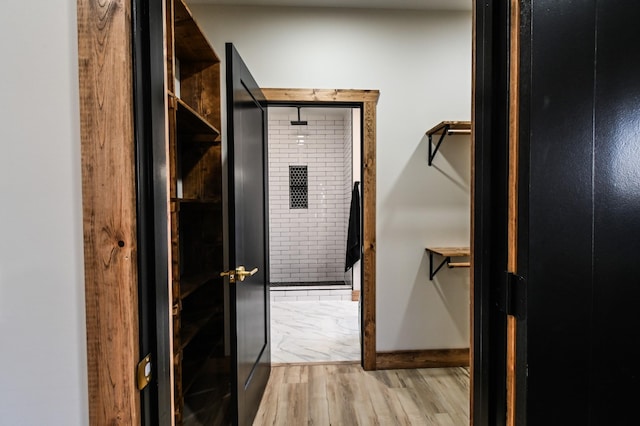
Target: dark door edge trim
151 207
490 131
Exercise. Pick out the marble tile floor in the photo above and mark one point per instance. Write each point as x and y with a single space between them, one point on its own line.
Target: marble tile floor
314 331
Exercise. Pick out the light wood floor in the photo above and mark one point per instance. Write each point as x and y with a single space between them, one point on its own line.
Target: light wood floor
344 394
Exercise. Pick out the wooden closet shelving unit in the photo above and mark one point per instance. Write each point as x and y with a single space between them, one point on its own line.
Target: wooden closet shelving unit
201 369
445 128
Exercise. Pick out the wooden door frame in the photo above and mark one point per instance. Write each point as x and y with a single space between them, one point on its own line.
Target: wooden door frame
125 205
109 209
368 99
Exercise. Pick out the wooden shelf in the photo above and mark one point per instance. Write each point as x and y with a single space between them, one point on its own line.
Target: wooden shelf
192 123
447 253
445 128
215 201
190 43
191 328
193 103
190 283
208 396
458 264
192 369
452 127
450 251
206 348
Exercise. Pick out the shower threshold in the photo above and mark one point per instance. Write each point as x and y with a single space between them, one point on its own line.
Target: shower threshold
311 292
302 288
306 284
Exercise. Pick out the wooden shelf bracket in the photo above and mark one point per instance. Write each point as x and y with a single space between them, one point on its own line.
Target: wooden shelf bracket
445 128
447 253
432 272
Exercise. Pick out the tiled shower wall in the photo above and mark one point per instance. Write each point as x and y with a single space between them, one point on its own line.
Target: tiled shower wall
308 245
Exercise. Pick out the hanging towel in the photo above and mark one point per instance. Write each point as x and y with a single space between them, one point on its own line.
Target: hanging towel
353 232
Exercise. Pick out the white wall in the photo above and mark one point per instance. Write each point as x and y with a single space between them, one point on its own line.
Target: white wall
42 321
421 63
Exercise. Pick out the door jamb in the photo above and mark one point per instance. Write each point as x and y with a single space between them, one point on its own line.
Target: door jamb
489 223
369 101
152 158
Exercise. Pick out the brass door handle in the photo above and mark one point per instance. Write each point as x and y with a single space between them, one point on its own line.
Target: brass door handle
243 273
240 272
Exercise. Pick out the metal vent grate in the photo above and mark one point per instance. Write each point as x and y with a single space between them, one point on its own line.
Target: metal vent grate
298 187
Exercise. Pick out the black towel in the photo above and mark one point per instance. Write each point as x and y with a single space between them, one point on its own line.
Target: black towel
353 232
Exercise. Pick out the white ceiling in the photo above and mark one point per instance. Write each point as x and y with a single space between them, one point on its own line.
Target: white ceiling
364 4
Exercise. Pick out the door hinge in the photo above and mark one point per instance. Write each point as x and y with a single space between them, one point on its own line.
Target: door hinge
143 372
173 102
512 299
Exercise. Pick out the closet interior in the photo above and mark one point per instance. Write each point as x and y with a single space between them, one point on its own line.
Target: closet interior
201 365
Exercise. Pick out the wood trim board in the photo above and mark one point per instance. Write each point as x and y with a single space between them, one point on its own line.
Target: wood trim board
109 210
426 358
474 55
369 100
321 95
512 253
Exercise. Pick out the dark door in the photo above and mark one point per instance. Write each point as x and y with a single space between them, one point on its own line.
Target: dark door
249 299
579 245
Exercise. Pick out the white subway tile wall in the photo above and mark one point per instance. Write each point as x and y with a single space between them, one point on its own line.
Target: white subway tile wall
308 245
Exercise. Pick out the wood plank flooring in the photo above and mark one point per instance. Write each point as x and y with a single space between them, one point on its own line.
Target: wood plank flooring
345 394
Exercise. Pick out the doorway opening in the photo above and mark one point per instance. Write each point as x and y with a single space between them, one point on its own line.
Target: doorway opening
314 232
367 100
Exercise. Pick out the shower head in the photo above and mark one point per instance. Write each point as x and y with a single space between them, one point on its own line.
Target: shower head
298 122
